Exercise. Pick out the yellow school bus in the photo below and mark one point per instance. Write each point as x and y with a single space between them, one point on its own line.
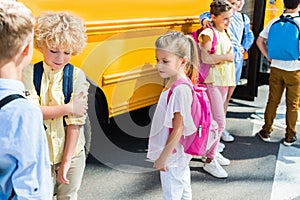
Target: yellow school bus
119 58
273 9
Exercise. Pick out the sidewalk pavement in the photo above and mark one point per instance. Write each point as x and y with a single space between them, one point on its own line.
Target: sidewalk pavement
124 173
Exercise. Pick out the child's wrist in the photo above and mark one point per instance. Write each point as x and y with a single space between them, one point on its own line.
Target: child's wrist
204 21
68 109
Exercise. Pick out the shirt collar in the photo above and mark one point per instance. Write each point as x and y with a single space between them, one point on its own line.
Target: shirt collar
48 69
291 14
12 84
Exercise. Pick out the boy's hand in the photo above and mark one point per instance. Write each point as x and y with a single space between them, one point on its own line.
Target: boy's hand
206 23
242 49
78 106
62 172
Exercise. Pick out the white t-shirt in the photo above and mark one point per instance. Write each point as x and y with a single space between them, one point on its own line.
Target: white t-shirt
281 64
180 101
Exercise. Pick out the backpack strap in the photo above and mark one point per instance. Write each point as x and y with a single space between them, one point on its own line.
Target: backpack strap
9 98
226 31
196 34
178 82
243 36
214 42
12 195
68 82
38 71
193 88
194 107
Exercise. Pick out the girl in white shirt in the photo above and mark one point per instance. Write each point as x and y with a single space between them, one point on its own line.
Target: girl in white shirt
177 58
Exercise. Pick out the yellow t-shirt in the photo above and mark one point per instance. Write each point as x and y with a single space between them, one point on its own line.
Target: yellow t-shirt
222 74
51 94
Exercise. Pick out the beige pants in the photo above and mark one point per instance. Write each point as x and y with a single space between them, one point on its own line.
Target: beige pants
279 81
75 173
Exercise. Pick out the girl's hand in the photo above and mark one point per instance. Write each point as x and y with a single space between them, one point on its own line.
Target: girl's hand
230 55
160 165
62 172
78 106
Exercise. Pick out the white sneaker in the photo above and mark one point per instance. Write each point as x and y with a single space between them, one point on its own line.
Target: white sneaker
221 159
203 159
226 136
198 157
215 169
221 147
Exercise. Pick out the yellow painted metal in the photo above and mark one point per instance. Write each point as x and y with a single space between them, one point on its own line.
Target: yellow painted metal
274 8
119 56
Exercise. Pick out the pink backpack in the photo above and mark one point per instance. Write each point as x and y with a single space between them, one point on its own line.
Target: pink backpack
204 68
197 143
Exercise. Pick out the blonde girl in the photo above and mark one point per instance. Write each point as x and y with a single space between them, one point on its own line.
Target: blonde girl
176 57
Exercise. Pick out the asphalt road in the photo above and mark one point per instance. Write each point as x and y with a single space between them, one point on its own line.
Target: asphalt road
117 167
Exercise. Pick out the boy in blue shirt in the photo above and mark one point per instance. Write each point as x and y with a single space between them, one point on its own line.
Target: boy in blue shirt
25 171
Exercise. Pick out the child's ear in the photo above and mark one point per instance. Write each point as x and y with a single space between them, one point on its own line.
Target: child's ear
184 60
25 50
213 17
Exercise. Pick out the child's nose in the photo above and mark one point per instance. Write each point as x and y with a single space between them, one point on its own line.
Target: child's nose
158 65
60 56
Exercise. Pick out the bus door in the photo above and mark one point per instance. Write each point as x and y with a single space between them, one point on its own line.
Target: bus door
256 68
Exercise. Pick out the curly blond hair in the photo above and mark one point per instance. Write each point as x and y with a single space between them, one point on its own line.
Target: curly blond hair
60 30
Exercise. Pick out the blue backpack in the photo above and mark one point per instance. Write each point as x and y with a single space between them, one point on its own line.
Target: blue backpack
283 39
67 88
67 79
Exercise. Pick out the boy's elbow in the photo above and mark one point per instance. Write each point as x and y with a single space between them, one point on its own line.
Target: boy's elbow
260 41
257 41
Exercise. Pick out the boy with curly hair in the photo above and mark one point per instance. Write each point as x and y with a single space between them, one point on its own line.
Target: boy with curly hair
58 36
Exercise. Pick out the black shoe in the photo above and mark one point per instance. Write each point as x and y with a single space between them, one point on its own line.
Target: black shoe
289 141
264 136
